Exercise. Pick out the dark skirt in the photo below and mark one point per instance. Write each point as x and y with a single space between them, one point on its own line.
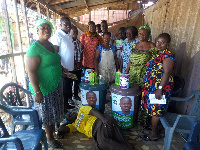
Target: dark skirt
109 137
51 111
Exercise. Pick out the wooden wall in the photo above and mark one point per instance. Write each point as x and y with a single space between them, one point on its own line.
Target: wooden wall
181 19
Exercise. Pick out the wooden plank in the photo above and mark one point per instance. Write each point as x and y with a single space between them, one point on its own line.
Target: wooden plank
48 18
20 46
51 8
53 2
108 15
23 6
54 21
8 35
18 26
90 16
87 7
38 10
78 3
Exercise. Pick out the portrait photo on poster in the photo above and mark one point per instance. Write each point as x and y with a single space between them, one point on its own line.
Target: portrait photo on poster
122 105
83 97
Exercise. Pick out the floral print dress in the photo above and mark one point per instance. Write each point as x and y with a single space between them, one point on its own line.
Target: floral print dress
126 52
152 79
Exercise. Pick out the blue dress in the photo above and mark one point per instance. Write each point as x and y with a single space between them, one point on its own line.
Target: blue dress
126 52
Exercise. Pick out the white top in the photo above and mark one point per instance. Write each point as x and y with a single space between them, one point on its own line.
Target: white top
66 48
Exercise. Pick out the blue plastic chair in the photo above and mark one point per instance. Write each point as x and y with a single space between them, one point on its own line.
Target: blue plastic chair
192 142
10 96
178 122
24 139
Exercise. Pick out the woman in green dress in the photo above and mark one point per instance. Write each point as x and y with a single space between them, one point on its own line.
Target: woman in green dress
141 53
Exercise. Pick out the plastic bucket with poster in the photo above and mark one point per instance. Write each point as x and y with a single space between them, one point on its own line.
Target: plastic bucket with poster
125 105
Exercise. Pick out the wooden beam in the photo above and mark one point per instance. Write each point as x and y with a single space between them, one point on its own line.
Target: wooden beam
23 5
57 2
51 8
87 6
12 55
90 16
108 15
71 4
38 10
48 18
18 26
8 35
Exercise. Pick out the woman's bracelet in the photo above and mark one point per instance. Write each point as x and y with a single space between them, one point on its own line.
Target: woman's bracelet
37 92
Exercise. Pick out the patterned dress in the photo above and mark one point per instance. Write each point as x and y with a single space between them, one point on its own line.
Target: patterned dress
152 79
90 43
138 60
126 52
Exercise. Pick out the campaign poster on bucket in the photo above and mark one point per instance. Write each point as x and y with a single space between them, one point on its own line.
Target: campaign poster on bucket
83 97
122 110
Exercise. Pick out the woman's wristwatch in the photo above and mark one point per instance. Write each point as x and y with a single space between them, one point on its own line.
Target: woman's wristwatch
160 87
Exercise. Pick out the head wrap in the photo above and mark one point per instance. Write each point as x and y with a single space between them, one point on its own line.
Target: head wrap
147 28
42 21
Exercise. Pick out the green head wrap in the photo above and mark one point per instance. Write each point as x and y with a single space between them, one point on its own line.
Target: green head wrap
41 21
147 28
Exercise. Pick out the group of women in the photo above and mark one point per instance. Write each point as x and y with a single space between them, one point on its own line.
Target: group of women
149 65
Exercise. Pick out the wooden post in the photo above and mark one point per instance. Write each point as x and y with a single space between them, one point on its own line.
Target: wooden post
126 14
108 15
8 35
18 26
48 17
90 16
23 6
38 10
54 22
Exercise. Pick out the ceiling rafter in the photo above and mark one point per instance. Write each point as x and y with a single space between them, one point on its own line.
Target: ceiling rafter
85 1
51 8
57 2
93 7
89 3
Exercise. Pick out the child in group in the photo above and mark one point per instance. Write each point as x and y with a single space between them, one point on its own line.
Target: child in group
118 42
105 59
92 123
98 29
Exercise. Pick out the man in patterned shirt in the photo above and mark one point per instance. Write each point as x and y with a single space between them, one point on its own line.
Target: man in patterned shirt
78 56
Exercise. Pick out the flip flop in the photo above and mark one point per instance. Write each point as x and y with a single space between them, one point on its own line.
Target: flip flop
147 138
55 144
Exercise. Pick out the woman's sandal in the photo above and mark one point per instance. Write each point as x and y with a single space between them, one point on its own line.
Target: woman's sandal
147 138
55 144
